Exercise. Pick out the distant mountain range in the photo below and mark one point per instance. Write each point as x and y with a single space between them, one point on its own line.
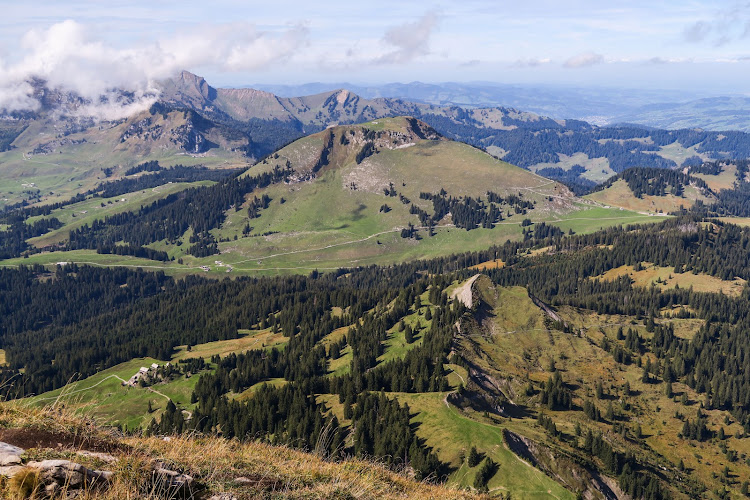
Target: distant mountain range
573 151
596 105
666 109
56 151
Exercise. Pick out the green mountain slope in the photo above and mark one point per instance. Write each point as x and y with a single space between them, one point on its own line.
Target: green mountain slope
514 349
52 160
386 191
571 151
337 211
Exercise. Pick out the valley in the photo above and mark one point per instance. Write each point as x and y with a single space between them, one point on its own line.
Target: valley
560 363
48 159
376 289
335 211
297 251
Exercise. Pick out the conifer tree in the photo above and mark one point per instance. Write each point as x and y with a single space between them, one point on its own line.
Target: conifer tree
473 458
408 334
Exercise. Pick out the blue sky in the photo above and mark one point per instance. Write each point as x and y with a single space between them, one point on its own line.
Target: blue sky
684 45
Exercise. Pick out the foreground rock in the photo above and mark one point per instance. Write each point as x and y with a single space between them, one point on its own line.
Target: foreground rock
10 455
104 457
173 482
57 474
10 470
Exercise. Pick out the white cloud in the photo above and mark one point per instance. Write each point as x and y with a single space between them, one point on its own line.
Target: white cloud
584 60
411 40
671 60
725 26
400 45
697 32
530 63
69 60
263 50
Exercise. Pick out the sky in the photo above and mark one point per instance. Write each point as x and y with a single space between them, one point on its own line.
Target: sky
93 46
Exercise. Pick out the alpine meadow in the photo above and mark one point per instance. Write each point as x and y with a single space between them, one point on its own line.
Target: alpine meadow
523 274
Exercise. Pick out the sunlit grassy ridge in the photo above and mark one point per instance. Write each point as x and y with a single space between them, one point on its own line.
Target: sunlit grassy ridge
509 343
245 470
332 213
666 277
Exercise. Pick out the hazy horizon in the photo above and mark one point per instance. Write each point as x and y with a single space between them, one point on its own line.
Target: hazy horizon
698 49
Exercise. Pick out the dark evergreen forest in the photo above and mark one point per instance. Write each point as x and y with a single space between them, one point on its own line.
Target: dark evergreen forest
91 321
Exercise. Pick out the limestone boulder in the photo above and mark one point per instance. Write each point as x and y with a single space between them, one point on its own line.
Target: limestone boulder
10 455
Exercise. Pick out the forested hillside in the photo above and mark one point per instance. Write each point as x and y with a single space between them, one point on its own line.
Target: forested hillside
389 341
385 191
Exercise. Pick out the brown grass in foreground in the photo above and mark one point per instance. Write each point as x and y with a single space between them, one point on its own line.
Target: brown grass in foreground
245 470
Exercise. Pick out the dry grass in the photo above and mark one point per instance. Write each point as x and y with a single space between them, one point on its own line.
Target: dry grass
246 470
24 484
740 221
725 180
288 473
55 418
667 278
490 264
251 340
620 195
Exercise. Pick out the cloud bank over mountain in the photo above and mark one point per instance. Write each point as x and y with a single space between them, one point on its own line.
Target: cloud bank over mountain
67 59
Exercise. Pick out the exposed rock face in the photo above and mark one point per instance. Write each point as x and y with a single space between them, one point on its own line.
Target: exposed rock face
189 89
190 80
465 293
9 454
69 474
567 472
187 137
10 470
173 483
346 145
50 98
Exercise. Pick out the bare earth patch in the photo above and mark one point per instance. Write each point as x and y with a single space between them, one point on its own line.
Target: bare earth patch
33 437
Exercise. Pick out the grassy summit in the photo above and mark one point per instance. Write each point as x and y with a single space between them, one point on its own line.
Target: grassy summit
390 190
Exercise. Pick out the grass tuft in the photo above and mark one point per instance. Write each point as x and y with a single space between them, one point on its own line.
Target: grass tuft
24 483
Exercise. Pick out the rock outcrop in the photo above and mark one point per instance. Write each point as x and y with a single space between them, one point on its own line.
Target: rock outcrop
10 455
